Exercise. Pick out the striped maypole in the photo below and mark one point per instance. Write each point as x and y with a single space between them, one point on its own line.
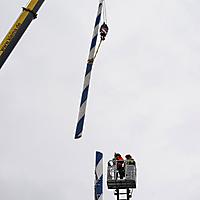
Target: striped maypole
81 116
98 187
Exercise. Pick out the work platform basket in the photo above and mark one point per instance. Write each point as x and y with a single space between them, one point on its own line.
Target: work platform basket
113 177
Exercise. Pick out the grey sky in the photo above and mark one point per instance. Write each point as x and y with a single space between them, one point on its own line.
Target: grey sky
144 99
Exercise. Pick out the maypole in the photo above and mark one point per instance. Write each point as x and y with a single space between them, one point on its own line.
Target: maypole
92 55
98 185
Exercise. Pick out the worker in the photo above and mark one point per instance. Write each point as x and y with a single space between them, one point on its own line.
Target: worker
129 160
103 31
120 165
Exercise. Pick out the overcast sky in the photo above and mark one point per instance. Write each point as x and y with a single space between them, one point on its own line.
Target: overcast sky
144 99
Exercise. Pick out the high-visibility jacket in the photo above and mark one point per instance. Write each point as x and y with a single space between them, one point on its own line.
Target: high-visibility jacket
130 161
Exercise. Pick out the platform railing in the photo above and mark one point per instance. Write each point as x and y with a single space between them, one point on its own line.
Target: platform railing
113 172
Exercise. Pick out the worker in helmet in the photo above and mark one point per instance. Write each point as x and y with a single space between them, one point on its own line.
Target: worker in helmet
129 160
119 161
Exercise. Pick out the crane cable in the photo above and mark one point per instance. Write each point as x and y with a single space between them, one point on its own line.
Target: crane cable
103 29
104 12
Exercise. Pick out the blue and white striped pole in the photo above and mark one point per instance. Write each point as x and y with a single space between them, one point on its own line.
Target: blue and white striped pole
98 187
81 116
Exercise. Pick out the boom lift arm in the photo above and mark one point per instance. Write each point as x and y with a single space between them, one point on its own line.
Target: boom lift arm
15 33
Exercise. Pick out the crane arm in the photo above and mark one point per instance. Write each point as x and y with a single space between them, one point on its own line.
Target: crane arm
19 27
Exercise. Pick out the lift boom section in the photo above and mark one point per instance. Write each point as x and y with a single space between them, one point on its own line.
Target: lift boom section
15 33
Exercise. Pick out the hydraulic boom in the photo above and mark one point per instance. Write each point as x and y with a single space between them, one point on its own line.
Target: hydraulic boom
15 33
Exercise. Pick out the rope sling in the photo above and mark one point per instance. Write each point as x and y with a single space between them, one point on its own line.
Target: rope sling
103 31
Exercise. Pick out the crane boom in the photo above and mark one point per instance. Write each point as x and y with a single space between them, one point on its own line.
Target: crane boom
19 27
